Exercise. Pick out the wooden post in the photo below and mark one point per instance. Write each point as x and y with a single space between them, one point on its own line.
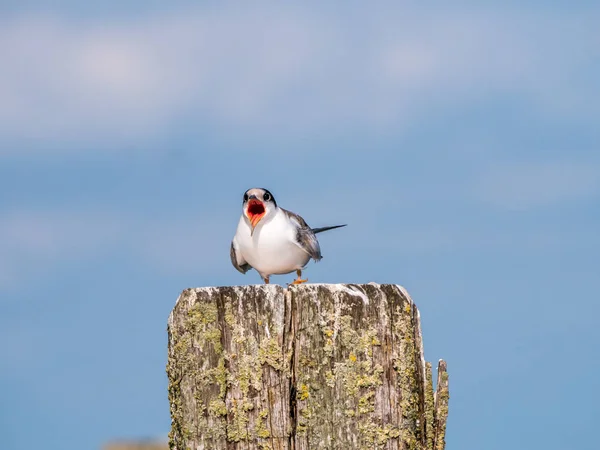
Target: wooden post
312 366
136 445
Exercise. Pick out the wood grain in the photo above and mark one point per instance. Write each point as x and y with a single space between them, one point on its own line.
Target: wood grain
309 367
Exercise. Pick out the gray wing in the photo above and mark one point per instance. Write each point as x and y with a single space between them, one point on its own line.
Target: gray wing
305 237
237 260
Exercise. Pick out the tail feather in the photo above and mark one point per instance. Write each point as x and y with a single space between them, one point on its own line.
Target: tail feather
321 229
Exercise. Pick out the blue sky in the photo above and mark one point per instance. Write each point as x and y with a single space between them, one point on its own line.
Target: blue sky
461 144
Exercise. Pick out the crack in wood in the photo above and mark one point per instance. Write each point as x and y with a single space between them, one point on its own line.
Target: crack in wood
312 366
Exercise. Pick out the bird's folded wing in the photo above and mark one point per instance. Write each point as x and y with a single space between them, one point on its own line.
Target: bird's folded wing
305 238
237 260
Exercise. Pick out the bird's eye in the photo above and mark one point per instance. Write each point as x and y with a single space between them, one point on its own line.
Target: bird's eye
246 197
267 197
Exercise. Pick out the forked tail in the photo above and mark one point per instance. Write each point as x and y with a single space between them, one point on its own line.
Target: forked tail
320 229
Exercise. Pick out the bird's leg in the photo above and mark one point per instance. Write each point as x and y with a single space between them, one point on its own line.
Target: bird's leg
299 280
266 279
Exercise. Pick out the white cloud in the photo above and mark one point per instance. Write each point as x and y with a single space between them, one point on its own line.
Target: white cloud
527 186
77 84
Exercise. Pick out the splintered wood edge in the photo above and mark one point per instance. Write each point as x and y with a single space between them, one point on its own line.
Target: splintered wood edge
272 290
442 396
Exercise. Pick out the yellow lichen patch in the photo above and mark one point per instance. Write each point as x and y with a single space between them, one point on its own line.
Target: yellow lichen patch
306 413
202 327
429 408
352 372
182 345
366 403
303 392
217 408
249 373
443 396
201 313
367 340
409 438
328 348
349 335
329 378
221 377
229 317
213 335
270 353
237 430
305 420
358 374
306 361
238 336
197 331
260 428
405 366
377 436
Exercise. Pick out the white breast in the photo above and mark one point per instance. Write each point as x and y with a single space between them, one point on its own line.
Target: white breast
271 249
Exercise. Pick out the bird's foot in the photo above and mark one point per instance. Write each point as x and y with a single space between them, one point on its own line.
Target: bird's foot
298 280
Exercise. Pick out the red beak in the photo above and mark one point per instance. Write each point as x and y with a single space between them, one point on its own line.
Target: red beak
255 211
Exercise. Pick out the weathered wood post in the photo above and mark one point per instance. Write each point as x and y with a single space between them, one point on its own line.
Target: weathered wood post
308 367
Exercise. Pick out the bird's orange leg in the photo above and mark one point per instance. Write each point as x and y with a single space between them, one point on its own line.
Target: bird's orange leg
266 279
299 280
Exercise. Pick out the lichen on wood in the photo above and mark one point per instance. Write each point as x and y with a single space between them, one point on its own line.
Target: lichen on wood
308 367
442 396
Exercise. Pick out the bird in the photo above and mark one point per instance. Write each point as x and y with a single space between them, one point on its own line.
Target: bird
273 240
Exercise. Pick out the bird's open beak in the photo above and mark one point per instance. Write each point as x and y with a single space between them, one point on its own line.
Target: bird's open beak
255 211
